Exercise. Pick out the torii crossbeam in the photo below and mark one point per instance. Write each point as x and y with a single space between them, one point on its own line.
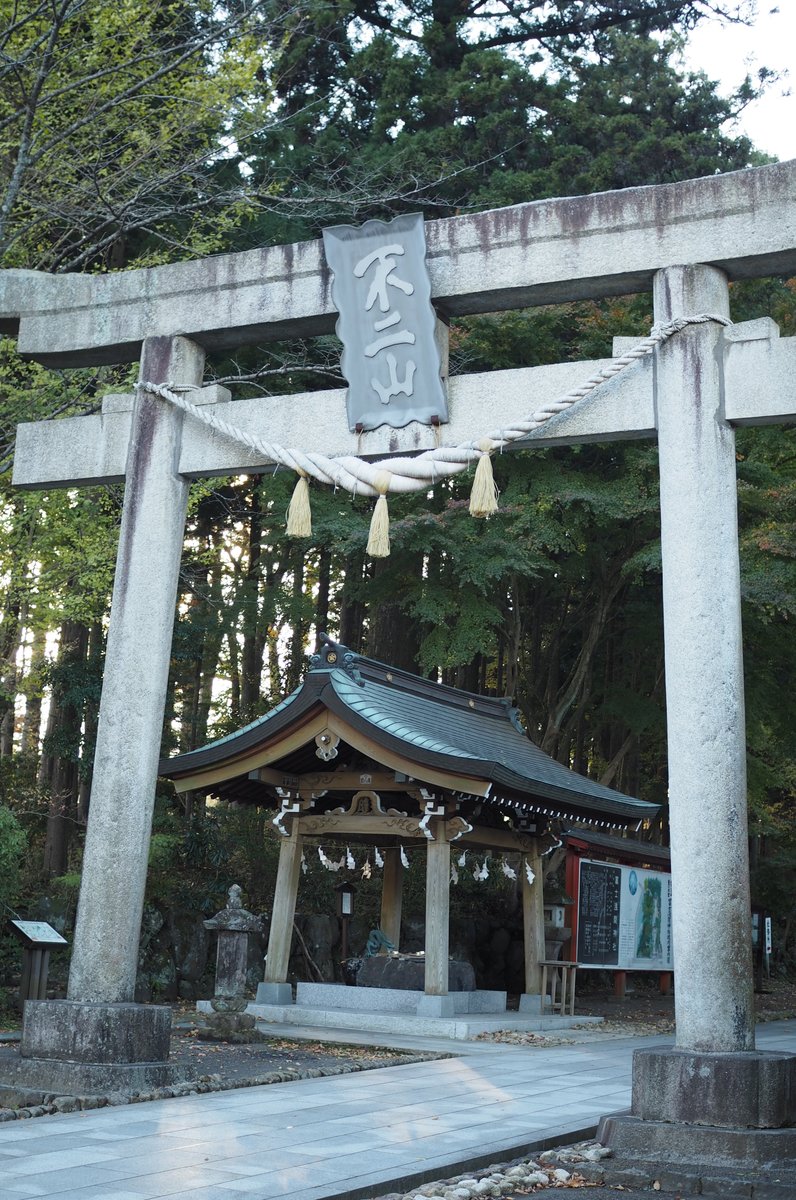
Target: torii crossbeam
685 241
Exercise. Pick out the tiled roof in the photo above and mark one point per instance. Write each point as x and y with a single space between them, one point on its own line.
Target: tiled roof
431 724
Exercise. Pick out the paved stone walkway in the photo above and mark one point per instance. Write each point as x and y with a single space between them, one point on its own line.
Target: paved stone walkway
352 1136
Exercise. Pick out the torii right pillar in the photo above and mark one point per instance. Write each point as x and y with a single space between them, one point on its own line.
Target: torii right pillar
704 1099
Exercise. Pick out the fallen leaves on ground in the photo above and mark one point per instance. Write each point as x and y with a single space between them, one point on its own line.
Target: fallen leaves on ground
273 1055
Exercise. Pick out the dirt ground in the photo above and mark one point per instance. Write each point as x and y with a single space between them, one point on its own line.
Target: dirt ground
279 1057
644 1005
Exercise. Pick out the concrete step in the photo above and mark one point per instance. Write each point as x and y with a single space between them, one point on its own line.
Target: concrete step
459 1028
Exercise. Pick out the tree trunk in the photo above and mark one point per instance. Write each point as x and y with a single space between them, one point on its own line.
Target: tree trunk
67 703
10 638
31 726
393 636
96 651
251 662
295 668
234 677
324 587
573 687
351 609
211 652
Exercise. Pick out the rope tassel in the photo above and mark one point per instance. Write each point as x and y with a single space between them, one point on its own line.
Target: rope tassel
379 537
299 514
483 497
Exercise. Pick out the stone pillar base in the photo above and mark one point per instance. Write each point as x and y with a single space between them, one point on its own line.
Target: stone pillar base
714 1110
712 1149
274 993
436 1006
753 1089
532 1002
226 1027
73 1048
50 1076
71 1031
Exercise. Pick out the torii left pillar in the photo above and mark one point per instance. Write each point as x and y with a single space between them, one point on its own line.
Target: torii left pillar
99 1035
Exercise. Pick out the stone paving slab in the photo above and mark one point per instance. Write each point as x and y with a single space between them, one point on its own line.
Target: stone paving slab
353 1136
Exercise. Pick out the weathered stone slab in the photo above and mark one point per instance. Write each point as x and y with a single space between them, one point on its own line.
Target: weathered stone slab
93 449
545 252
760 368
337 997
71 1031
274 993
93 1079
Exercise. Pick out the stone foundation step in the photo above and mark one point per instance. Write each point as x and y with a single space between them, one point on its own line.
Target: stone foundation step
458 1028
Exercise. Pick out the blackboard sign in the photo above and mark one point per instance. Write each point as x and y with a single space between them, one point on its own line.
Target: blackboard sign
598 913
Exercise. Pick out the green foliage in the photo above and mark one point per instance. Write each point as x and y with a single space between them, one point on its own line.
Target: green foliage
113 118
13 845
423 111
194 862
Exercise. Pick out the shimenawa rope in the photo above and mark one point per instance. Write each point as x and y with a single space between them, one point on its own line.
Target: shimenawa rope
401 475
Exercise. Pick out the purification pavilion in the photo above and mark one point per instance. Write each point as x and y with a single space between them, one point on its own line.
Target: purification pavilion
364 753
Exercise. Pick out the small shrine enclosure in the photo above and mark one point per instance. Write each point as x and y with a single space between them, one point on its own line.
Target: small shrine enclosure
403 760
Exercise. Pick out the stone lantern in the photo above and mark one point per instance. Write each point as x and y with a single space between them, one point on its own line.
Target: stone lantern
234 924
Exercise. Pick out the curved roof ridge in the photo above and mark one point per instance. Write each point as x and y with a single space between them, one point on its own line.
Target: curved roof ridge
336 656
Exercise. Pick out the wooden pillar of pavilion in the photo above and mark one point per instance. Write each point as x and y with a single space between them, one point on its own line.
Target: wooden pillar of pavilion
392 896
533 930
436 1001
276 989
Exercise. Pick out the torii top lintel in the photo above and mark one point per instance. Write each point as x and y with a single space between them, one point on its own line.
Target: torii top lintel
544 252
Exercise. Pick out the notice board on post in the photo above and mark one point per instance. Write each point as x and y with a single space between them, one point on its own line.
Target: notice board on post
624 917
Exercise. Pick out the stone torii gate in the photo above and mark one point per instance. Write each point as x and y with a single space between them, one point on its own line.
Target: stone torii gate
685 241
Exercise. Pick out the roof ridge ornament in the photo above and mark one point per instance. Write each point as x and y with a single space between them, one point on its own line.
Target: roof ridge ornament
334 655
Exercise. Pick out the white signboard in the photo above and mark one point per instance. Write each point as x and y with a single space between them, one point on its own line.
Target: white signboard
38 933
382 291
624 917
